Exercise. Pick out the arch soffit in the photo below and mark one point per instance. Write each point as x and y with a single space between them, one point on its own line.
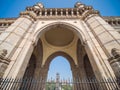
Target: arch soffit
59 53
70 26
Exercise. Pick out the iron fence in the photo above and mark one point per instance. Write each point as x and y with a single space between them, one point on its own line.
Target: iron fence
40 84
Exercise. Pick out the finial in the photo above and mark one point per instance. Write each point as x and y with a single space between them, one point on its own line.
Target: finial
79 5
39 5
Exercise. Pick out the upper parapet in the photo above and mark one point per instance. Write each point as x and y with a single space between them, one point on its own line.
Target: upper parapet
78 10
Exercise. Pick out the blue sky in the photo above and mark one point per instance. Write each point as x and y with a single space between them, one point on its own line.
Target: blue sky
12 8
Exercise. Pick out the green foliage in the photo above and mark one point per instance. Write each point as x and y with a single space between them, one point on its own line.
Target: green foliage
52 86
66 87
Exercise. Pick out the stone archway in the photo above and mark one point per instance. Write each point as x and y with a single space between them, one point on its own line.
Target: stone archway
61 39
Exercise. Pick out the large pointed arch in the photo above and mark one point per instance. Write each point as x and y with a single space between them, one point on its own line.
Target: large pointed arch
79 32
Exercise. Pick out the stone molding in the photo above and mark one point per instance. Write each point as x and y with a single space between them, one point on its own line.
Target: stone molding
31 14
4 23
86 14
112 20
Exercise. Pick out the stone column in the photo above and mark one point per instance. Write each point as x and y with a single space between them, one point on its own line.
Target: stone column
72 13
61 12
66 12
40 13
50 12
56 13
45 12
11 39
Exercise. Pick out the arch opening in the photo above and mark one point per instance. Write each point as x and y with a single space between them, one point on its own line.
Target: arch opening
59 65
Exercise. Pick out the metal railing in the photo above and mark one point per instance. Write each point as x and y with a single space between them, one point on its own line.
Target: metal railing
40 84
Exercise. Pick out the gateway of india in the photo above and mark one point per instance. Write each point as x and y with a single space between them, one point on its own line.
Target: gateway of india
89 41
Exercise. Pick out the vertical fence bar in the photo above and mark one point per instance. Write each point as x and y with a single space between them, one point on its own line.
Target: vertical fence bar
13 84
0 83
39 82
95 84
78 84
101 84
116 82
85 83
36 86
81 87
104 84
9 84
90 83
108 84
6 83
